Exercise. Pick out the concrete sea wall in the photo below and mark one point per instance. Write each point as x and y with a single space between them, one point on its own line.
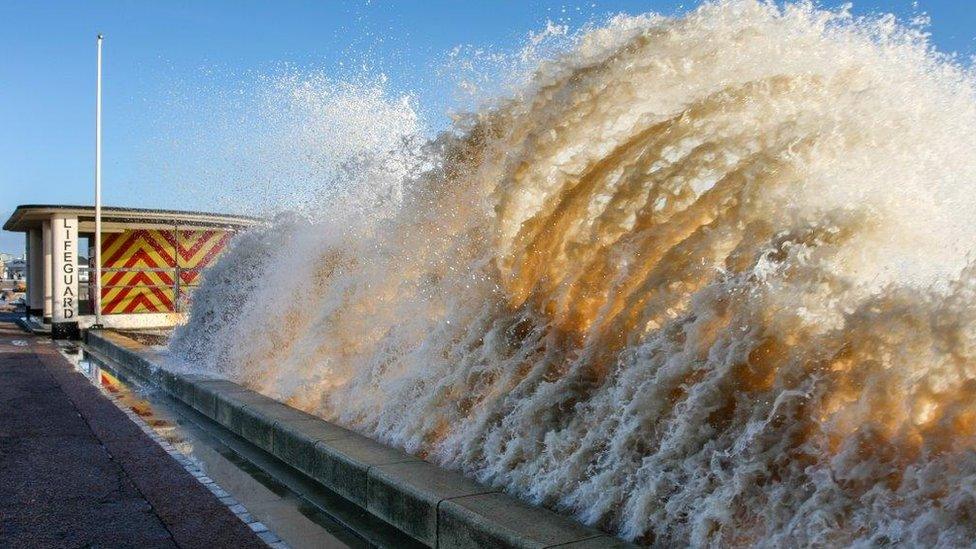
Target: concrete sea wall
437 507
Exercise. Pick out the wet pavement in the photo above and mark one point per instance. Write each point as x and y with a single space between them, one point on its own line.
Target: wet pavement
257 487
75 471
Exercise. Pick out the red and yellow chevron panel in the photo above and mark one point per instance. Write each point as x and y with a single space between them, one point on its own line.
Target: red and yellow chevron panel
140 267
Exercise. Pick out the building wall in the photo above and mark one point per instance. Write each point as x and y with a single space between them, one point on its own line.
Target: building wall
155 271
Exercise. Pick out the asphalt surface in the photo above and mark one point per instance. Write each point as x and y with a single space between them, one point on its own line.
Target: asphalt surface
76 472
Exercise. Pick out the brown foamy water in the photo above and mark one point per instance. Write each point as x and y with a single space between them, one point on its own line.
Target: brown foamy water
704 280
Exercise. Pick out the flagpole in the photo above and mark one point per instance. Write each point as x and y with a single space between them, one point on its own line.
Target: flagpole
98 188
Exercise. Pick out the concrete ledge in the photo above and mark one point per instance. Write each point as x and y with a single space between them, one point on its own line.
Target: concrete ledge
343 464
434 506
497 520
294 441
407 495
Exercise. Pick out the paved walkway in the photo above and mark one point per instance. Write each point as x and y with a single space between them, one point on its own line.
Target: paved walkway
76 472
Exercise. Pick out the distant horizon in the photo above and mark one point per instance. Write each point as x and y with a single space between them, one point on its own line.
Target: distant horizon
167 67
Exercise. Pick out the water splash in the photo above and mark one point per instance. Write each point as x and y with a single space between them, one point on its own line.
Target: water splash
705 280
291 140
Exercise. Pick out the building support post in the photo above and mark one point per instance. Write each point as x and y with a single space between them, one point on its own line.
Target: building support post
64 318
27 272
47 271
35 273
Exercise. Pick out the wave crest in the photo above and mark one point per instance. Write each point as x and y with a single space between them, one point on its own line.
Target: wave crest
703 280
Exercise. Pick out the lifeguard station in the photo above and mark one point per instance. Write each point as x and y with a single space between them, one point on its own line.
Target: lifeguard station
151 262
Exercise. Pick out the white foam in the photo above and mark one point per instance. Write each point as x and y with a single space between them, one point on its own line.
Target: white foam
701 280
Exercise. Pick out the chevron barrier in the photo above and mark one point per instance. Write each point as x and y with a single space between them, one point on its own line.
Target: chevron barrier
156 271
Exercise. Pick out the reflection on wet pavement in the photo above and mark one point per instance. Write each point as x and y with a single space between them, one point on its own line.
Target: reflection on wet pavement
284 507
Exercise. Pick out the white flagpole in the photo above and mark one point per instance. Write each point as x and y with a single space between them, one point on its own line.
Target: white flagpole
98 189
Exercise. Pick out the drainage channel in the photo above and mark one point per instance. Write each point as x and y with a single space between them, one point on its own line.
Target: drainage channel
283 506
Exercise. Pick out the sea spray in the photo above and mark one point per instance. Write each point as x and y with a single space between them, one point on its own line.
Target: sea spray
289 140
704 280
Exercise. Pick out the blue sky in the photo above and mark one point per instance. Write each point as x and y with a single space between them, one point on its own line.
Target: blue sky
158 51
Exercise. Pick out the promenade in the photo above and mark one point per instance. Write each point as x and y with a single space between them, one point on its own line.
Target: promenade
76 472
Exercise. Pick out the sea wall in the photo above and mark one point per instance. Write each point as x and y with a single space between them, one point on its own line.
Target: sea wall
437 507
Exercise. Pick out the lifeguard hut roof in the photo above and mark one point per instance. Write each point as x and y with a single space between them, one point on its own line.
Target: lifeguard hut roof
31 216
